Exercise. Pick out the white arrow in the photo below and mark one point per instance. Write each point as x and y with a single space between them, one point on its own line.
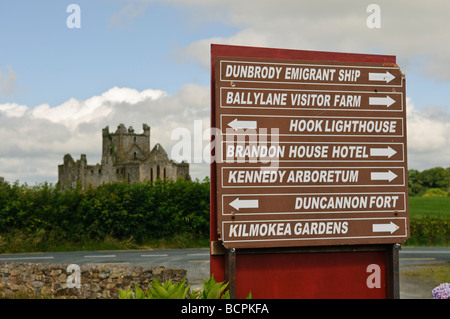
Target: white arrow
235 124
247 203
388 77
389 152
383 228
383 176
386 101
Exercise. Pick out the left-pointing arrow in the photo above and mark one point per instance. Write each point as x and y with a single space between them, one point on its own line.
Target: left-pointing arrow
384 228
244 203
235 124
383 176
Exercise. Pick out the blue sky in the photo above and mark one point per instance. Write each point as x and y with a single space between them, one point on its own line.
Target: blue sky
147 61
54 63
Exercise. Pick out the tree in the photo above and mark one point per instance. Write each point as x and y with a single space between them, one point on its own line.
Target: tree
420 182
435 177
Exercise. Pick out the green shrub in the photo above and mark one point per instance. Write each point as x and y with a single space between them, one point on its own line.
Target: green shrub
212 290
140 211
169 290
157 290
34 218
429 231
435 192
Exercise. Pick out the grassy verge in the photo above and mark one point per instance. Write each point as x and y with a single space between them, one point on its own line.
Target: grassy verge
429 221
19 243
438 272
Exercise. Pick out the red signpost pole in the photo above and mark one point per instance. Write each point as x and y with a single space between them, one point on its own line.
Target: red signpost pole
348 269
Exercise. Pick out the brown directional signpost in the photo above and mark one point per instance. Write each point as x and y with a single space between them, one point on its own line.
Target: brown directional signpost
311 152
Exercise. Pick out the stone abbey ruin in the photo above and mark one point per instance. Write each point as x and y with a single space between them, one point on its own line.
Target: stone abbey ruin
126 157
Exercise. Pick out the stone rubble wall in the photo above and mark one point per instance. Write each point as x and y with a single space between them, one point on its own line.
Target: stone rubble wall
97 281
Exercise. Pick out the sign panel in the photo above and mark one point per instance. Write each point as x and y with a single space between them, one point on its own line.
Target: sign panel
314 125
309 153
235 151
309 177
259 233
294 99
335 74
312 203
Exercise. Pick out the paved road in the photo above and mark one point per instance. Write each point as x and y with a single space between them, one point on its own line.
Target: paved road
172 257
420 255
182 258
196 261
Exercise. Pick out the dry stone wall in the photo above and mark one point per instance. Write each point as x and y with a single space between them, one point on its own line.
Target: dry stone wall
96 281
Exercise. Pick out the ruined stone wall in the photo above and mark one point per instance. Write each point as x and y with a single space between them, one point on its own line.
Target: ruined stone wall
126 156
97 281
124 145
183 170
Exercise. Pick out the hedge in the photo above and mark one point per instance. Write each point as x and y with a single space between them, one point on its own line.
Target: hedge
429 231
139 211
120 210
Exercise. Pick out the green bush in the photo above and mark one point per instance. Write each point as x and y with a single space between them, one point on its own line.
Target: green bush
420 182
157 290
169 290
435 192
212 290
33 217
429 231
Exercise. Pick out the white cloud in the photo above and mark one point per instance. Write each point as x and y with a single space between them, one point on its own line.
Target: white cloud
428 132
408 29
13 109
128 13
34 140
74 112
8 82
417 33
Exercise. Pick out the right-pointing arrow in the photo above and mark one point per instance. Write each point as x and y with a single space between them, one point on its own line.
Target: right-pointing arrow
384 228
386 101
244 203
388 77
389 152
383 176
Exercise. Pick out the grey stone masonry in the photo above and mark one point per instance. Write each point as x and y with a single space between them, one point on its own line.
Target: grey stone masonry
97 281
126 157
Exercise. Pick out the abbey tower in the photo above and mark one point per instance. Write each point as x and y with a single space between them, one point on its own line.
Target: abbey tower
126 156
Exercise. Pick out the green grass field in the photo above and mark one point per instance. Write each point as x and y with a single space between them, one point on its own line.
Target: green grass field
420 207
429 221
